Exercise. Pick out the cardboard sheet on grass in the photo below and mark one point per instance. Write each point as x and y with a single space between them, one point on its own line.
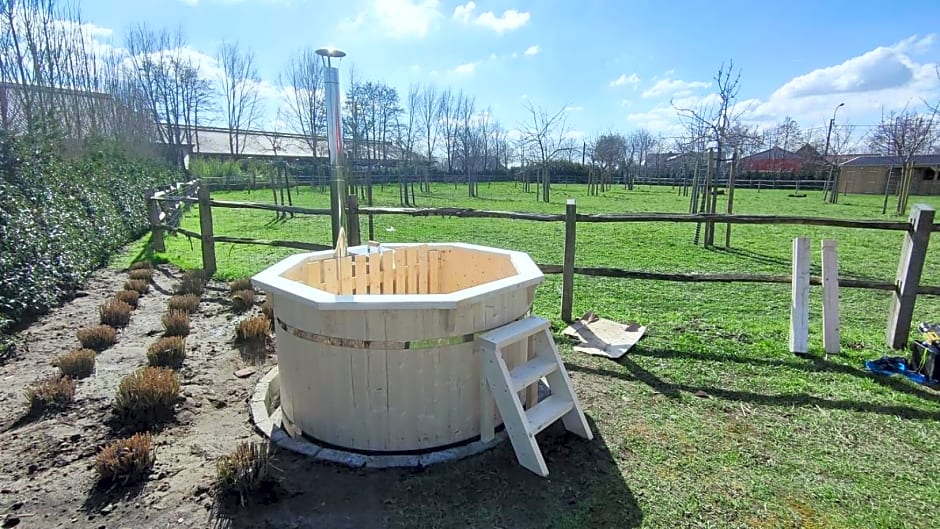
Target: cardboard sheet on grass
601 337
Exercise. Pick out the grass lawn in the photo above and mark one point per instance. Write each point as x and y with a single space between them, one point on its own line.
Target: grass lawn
709 422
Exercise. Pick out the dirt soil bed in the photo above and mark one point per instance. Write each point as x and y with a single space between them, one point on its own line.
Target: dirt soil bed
47 477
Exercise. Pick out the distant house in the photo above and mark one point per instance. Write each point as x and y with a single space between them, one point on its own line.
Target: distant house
774 160
870 174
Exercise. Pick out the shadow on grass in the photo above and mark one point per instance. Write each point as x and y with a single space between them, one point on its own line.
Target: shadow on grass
809 364
674 390
815 269
585 488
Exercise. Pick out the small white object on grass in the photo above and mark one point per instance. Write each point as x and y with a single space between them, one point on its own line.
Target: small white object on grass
390 228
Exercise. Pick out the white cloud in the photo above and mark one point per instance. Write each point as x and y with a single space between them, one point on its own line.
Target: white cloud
510 19
466 69
633 80
674 87
399 18
885 78
532 50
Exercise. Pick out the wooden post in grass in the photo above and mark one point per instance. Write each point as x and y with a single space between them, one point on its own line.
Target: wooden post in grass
352 219
830 284
153 211
567 279
205 230
799 306
913 252
734 165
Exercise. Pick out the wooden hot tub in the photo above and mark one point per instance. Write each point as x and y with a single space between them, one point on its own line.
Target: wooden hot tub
375 350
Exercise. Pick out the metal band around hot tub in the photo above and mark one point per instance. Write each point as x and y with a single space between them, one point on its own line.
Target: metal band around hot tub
374 344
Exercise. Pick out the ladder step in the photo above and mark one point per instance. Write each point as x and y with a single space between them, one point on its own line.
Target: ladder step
528 373
547 412
515 331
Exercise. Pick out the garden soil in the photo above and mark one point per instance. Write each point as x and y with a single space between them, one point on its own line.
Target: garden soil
47 476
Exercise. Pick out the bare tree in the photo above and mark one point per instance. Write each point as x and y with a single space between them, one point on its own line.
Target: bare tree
428 117
467 138
609 152
447 121
406 127
716 123
547 134
639 144
239 82
904 134
302 84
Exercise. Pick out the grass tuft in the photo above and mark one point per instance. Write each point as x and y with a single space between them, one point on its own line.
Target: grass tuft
97 338
141 286
126 461
267 309
141 265
50 394
131 297
76 364
176 323
147 397
115 313
244 472
185 302
190 285
167 352
243 300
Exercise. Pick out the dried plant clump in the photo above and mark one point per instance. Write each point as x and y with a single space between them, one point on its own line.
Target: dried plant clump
50 394
243 300
191 285
143 274
147 397
131 297
139 285
115 313
251 338
141 265
176 323
196 273
240 284
267 308
244 472
167 352
127 460
186 302
253 329
76 364
97 338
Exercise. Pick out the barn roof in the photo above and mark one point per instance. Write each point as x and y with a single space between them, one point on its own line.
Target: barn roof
889 161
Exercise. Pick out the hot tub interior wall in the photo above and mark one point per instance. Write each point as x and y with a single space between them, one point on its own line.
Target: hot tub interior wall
405 270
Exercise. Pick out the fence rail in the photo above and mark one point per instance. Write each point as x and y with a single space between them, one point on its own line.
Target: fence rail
905 288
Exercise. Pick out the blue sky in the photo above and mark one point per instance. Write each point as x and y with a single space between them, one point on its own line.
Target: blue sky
616 64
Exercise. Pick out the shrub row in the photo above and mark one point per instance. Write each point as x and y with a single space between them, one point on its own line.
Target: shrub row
62 218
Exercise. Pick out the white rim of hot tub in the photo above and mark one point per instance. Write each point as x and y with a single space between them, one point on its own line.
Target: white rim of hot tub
270 280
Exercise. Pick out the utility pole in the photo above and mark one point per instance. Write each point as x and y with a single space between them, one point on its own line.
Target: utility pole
830 186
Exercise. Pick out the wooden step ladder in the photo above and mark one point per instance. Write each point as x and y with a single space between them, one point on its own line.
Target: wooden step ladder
502 386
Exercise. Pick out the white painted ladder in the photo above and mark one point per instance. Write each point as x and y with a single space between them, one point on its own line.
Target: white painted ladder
504 386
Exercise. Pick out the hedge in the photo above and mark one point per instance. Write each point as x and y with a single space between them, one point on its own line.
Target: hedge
62 217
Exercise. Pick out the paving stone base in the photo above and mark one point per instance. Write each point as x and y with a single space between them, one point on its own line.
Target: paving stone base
266 416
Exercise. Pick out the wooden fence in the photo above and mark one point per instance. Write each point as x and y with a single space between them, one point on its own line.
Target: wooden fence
905 288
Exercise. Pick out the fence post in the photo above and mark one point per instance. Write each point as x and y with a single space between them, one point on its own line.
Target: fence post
830 283
352 212
567 277
799 305
153 211
205 230
913 252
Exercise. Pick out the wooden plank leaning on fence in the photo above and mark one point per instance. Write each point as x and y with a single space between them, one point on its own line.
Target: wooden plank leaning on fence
910 266
567 281
799 306
830 307
153 213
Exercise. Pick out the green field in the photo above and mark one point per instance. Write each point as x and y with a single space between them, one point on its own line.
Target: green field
709 422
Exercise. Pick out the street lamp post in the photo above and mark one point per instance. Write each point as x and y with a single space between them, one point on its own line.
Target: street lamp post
334 130
830 185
